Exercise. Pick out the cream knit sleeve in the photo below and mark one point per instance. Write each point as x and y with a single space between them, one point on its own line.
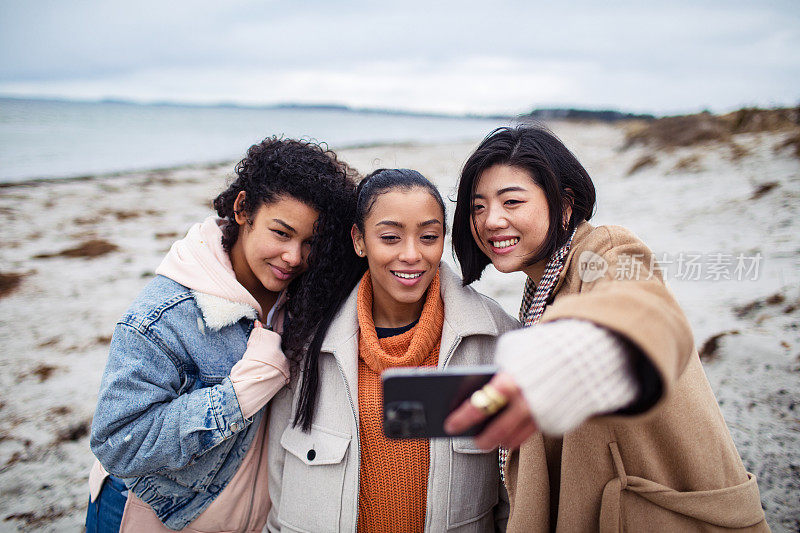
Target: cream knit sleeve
568 370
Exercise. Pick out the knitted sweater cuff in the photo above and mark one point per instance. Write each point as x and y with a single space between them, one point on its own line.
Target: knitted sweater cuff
568 370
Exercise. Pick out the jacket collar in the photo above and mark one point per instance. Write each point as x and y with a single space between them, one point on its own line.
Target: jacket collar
220 312
583 229
341 340
465 310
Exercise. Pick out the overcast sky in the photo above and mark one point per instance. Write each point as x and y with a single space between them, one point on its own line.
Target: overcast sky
483 57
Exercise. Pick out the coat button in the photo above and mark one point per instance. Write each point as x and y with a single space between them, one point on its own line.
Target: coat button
311 454
235 426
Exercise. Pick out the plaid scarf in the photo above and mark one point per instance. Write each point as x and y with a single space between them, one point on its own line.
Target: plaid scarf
534 300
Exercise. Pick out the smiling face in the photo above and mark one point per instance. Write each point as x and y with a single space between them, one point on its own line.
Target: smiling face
403 241
272 247
511 218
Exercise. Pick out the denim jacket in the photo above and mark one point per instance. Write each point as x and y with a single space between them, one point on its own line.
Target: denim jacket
168 420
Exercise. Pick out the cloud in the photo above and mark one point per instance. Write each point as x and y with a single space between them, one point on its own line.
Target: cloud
421 55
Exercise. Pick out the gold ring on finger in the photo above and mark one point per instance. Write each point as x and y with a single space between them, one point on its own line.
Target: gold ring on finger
496 396
488 400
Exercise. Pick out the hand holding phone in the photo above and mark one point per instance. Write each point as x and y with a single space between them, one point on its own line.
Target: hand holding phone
512 426
417 400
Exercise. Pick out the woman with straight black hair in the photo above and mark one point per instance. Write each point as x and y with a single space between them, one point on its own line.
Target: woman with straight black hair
608 421
564 181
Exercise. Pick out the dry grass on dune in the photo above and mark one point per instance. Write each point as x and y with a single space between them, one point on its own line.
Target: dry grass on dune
689 130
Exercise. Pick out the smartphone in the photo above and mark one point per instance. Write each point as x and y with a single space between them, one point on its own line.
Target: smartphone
417 400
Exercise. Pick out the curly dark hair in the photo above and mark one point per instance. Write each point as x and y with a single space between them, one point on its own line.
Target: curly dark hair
312 174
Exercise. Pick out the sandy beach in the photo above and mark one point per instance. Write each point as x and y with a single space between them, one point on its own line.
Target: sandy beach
721 216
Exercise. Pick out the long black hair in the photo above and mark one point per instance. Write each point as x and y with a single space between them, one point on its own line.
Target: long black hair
552 167
378 182
312 174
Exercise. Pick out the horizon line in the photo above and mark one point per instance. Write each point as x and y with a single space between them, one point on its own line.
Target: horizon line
328 106
552 111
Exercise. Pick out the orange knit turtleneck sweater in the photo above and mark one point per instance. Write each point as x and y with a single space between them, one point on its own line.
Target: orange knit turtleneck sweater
394 473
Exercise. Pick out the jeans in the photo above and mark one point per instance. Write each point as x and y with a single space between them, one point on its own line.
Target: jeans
104 515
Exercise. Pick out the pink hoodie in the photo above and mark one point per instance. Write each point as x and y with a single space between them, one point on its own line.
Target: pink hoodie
199 262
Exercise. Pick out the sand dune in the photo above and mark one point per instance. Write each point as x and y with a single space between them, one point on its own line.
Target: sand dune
75 253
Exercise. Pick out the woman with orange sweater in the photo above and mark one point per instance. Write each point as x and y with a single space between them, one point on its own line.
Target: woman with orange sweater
330 466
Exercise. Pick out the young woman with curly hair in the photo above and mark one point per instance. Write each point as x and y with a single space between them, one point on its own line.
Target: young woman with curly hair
180 424
610 423
331 468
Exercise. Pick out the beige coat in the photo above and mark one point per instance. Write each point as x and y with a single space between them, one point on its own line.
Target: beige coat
674 468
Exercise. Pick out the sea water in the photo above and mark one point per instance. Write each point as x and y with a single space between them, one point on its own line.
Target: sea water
56 139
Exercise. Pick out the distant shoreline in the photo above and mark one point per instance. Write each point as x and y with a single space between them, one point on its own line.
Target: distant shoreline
277 106
206 165
544 113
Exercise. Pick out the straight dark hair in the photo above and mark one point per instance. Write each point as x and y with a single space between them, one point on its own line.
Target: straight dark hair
552 167
378 182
